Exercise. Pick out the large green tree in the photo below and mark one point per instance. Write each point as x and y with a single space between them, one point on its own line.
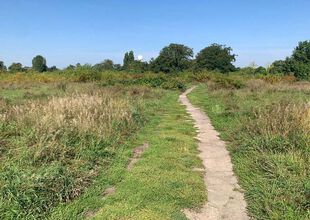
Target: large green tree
2 67
216 57
16 67
298 64
302 52
39 63
175 57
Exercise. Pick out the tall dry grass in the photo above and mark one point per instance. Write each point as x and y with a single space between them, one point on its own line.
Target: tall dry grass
267 125
94 113
51 148
281 119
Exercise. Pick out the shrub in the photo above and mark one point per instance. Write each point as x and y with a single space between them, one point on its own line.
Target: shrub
228 83
174 84
260 71
16 67
202 76
87 74
272 79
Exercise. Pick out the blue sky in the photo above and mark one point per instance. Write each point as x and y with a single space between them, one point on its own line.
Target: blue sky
89 31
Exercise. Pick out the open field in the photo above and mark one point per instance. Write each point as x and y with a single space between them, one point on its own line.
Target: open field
53 145
63 144
66 143
165 110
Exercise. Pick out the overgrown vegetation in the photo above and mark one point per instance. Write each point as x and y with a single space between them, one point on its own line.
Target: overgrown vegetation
267 125
160 185
53 147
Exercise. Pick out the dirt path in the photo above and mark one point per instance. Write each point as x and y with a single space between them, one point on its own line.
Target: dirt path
225 197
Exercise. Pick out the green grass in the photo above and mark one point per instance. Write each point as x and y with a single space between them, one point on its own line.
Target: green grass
45 162
160 185
61 172
21 92
270 149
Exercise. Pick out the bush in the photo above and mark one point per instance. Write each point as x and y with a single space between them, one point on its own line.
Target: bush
152 80
272 79
260 71
174 84
201 76
299 69
228 83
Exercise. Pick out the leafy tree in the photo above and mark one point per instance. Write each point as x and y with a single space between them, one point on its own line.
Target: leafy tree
260 70
108 64
279 66
16 67
117 67
52 69
70 67
129 58
216 57
301 70
26 69
247 70
302 52
175 57
39 63
125 60
2 67
105 65
133 65
298 64
138 66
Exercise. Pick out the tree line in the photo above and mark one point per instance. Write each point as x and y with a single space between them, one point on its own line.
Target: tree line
172 58
178 57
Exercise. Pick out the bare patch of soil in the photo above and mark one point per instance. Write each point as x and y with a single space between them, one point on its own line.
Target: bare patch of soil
137 152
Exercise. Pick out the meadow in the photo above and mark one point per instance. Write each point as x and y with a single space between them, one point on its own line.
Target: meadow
62 140
68 136
55 138
267 127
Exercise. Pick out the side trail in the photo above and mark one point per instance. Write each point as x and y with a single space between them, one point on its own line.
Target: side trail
225 197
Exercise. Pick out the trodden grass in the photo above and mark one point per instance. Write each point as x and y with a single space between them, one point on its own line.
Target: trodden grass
268 130
160 185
